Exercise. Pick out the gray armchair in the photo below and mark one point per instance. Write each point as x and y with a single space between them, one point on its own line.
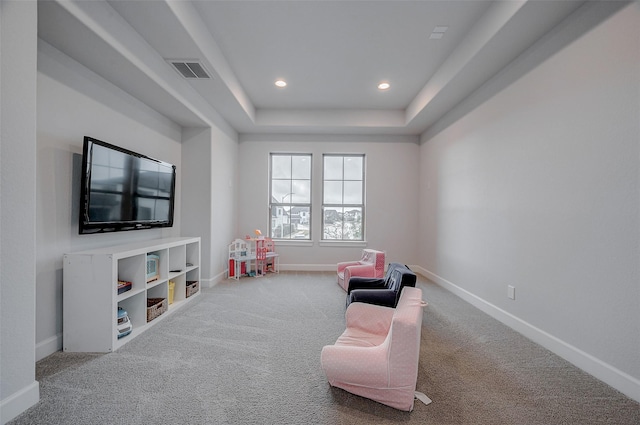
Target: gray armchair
385 291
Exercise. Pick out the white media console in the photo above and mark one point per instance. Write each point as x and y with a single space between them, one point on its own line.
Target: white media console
90 289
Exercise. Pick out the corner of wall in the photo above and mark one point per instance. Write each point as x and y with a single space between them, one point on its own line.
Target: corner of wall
12 406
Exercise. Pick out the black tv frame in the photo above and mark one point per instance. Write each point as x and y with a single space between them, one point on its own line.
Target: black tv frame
86 226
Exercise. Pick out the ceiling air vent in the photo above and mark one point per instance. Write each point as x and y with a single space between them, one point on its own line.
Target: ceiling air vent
190 69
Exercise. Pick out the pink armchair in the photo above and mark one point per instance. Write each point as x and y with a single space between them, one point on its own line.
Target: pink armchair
370 265
377 355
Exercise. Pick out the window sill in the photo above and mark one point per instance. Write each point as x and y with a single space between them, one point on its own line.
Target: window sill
292 242
343 244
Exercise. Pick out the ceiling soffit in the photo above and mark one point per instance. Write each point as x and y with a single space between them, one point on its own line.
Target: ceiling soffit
136 34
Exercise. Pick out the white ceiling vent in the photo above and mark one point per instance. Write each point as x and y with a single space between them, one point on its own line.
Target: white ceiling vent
190 69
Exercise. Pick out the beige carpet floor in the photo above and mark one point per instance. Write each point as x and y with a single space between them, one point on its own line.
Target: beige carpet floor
248 352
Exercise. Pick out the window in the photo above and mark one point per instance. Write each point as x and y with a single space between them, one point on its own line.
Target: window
343 197
290 196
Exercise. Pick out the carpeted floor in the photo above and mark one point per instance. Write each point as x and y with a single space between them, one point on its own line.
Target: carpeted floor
248 352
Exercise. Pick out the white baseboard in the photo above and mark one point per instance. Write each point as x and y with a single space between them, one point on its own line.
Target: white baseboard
621 381
308 267
19 401
303 268
48 346
211 282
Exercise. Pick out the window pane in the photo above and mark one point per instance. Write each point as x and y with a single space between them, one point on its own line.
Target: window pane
332 192
300 219
280 222
301 191
280 190
353 192
353 168
281 166
332 223
301 167
352 227
333 167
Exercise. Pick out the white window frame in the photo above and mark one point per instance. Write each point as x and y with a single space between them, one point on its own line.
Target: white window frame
288 202
343 206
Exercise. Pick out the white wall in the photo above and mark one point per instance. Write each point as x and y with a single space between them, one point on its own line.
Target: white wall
538 187
196 180
18 388
209 196
391 195
224 165
73 102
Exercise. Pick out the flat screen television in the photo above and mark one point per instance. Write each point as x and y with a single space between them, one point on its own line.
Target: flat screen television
124 190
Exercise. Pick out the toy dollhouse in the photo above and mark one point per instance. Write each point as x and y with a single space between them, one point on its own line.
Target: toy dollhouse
252 257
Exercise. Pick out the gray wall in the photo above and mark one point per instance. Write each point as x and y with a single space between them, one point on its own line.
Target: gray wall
391 214
74 102
538 187
18 387
209 196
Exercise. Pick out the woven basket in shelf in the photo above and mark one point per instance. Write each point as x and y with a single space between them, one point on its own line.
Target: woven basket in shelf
192 287
155 307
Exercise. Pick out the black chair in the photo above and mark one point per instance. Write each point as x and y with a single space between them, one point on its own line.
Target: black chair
385 291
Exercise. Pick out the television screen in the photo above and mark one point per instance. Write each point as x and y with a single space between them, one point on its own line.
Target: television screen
124 190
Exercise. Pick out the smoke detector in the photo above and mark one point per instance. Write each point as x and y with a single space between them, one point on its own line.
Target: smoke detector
190 69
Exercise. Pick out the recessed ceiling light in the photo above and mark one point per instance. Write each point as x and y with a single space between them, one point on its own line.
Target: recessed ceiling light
281 83
384 86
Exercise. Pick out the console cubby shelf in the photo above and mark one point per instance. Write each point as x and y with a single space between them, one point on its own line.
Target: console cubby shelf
90 287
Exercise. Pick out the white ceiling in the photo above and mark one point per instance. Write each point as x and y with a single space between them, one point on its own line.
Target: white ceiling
332 54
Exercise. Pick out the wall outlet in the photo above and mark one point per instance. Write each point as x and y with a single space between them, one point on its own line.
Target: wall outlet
511 292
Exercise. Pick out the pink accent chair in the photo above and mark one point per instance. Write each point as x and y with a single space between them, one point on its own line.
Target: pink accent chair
377 355
370 265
